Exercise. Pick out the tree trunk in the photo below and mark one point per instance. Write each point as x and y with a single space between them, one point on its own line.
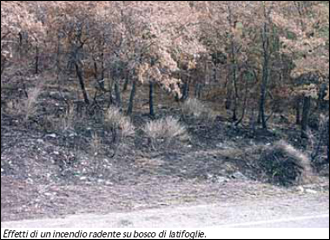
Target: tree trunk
82 83
234 118
131 99
110 86
244 104
265 76
126 85
298 117
198 89
118 95
253 122
37 61
305 117
99 81
233 69
185 94
102 71
151 99
234 80
228 101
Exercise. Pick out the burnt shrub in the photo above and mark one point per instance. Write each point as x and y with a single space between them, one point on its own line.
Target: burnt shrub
282 164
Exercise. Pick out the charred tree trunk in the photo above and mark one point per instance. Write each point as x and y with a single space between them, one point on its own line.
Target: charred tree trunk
96 70
228 101
110 87
298 114
305 116
233 91
3 64
151 99
185 93
126 85
99 80
36 70
253 122
244 104
265 75
198 90
82 83
228 88
234 118
234 80
131 99
102 83
118 95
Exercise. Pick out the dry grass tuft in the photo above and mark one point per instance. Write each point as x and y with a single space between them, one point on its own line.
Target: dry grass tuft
27 108
116 120
95 144
67 121
195 108
167 130
30 105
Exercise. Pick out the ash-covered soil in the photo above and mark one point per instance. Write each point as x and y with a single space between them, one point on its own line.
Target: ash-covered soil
47 172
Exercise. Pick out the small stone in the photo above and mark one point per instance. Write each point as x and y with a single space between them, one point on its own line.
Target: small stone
239 175
220 179
300 189
209 176
310 191
73 134
53 135
108 183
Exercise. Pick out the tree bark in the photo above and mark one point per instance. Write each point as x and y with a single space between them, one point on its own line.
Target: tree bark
265 76
118 95
253 121
37 61
185 94
151 99
298 116
233 69
234 79
305 116
82 83
131 99
126 85
110 87
244 104
234 118
198 90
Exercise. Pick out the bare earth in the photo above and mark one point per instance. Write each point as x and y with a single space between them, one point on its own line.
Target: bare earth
179 205
299 211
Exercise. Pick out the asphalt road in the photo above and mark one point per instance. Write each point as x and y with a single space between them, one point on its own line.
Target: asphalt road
307 211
